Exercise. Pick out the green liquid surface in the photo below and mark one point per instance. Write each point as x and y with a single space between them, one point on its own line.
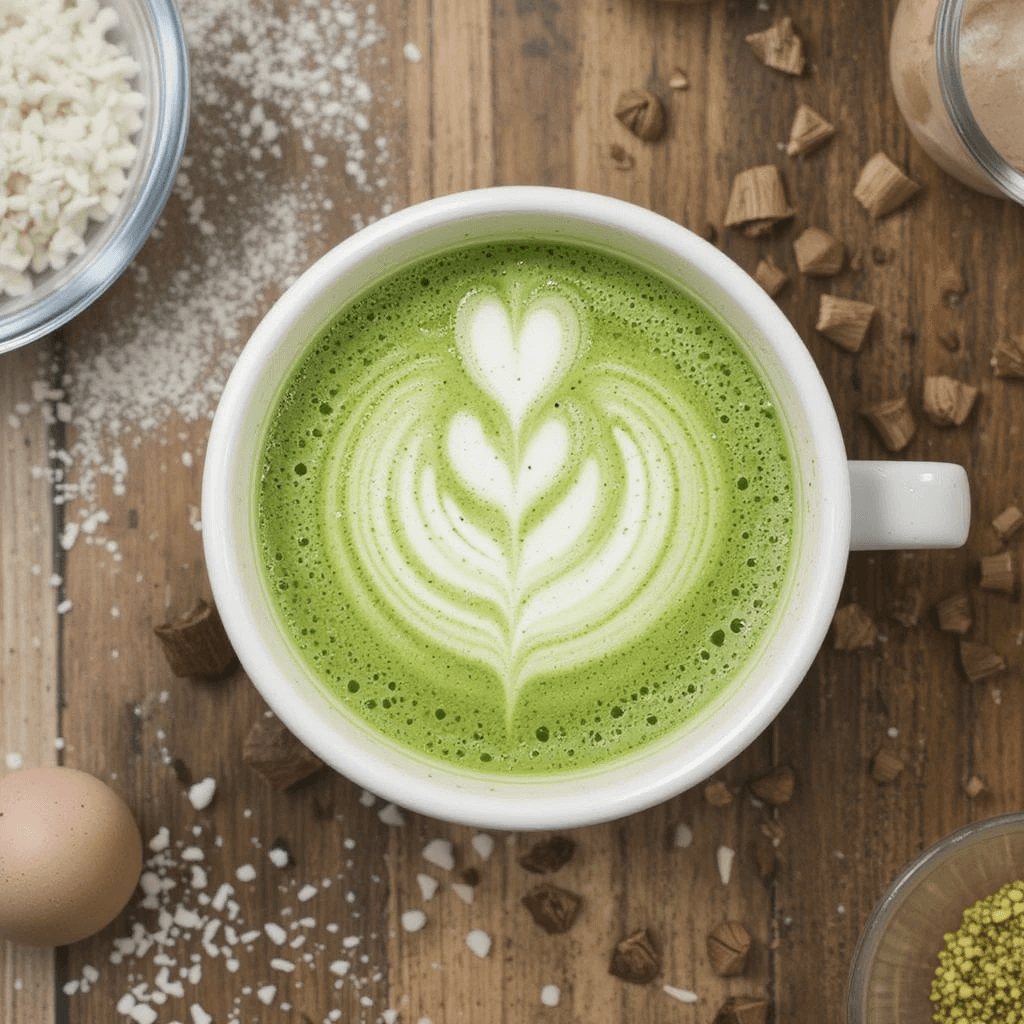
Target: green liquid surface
525 508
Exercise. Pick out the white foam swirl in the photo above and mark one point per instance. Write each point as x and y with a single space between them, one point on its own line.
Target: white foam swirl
526 537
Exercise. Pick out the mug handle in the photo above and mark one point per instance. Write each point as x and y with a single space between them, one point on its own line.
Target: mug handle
899 506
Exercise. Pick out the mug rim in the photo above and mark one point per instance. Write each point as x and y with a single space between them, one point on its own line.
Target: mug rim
515 802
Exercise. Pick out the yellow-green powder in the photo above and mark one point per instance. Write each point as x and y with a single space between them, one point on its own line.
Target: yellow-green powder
980 976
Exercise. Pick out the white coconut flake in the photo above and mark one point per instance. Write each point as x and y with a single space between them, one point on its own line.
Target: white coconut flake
245 872
277 935
428 885
412 53
306 893
414 920
389 814
683 995
366 798
439 853
463 891
724 857
479 942
278 857
684 835
483 844
14 760
200 794
266 994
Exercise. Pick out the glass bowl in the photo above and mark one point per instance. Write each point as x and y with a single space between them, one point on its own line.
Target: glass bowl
150 30
896 957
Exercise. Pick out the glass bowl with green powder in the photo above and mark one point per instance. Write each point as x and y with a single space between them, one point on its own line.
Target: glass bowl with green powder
946 942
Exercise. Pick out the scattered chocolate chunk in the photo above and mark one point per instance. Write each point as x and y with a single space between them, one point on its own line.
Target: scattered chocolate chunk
947 401
679 80
854 630
757 201
893 421
554 909
642 113
955 614
548 855
770 277
907 610
470 876
810 130
718 794
779 47
979 661
775 787
998 572
622 159
1008 522
743 1010
728 946
818 254
882 187
844 321
195 643
182 772
1008 358
886 766
277 755
974 787
635 959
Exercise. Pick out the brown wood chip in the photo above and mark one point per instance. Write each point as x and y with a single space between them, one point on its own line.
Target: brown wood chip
770 277
764 857
1008 358
553 908
718 794
907 610
728 946
277 755
757 201
844 321
853 629
818 254
893 421
743 1010
886 766
635 959
641 111
998 572
974 787
774 787
947 401
548 856
810 130
1008 522
979 661
779 47
622 159
955 614
195 643
882 187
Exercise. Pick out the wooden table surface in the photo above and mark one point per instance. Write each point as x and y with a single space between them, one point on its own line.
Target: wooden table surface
507 91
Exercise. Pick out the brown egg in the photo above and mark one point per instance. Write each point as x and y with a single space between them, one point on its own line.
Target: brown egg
70 856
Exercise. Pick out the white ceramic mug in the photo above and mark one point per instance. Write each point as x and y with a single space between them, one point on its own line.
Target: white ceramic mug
841 505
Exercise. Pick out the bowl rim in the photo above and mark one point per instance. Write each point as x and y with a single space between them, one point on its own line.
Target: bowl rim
53 312
882 914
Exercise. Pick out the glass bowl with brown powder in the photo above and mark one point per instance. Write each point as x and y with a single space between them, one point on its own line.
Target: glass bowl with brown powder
893 978
93 116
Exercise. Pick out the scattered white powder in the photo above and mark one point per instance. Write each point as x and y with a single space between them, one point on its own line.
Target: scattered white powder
412 53
277 935
684 835
550 995
479 942
724 857
279 964
389 814
306 893
892 732
439 853
483 844
266 994
278 857
200 794
199 1015
414 920
14 760
684 995
245 873
366 798
64 607
428 886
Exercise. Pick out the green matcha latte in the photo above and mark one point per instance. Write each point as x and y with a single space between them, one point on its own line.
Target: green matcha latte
525 508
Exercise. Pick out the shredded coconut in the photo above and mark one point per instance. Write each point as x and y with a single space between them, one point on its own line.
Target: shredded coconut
439 853
428 886
550 995
683 995
389 814
479 942
414 920
483 844
724 857
200 795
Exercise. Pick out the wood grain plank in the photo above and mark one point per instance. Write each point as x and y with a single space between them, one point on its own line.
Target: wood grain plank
29 714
